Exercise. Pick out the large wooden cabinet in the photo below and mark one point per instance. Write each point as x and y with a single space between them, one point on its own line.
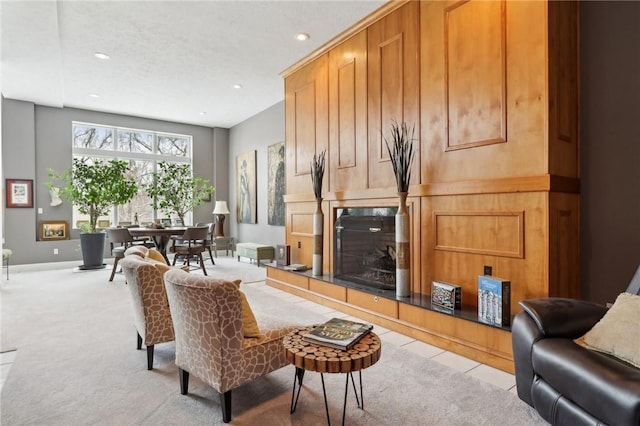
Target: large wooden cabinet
492 90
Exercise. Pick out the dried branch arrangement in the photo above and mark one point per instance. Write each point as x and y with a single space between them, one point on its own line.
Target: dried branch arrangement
317 173
401 153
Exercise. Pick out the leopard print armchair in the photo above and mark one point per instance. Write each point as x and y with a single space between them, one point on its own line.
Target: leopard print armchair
151 314
210 343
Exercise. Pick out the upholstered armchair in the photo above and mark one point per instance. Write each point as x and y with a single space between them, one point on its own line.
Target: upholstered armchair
211 340
151 315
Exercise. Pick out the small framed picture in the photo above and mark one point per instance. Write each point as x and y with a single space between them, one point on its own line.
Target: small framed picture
104 223
283 256
19 193
51 230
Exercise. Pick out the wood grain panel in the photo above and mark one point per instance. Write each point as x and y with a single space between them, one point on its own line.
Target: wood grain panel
393 46
290 278
529 274
476 336
525 101
306 122
348 114
299 232
564 245
564 89
326 289
490 233
475 79
373 303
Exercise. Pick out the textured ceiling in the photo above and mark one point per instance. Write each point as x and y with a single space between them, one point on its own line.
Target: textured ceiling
169 60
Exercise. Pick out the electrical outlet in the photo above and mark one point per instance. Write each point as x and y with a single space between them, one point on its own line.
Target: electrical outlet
55 251
488 270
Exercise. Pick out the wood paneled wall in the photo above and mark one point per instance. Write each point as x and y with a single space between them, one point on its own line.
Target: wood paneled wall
492 89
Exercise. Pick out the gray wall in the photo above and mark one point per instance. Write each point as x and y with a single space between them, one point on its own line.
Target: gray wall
36 138
610 163
258 132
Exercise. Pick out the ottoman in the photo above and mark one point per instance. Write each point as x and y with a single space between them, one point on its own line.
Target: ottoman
255 251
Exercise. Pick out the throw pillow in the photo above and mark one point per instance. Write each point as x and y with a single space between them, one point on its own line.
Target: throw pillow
249 322
161 267
156 255
617 333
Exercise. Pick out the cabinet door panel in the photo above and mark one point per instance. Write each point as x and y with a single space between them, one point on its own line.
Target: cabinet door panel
306 122
394 89
348 114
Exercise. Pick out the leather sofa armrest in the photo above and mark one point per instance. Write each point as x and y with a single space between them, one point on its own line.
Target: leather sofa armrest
561 317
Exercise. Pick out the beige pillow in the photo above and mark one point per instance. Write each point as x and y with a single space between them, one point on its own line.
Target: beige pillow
160 266
618 332
156 255
249 322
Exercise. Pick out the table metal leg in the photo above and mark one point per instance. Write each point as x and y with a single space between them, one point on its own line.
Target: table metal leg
298 376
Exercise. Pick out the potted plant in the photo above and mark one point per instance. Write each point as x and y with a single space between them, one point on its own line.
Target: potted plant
317 174
401 153
95 187
175 191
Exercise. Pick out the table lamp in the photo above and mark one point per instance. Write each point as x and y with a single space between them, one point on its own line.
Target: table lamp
220 210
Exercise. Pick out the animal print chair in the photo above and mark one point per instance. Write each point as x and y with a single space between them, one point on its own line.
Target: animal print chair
211 335
151 314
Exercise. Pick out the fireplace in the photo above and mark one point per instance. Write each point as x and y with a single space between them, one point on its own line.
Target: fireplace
364 241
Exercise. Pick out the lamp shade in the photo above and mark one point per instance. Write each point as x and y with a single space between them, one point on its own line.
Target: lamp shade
221 208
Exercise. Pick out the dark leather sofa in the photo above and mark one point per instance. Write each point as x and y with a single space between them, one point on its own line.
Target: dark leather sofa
566 383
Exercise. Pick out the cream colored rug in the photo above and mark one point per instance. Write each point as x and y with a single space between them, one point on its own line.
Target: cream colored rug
76 364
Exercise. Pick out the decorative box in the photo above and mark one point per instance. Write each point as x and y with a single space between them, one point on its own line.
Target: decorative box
447 296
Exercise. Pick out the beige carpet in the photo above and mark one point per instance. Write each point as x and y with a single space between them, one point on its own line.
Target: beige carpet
77 364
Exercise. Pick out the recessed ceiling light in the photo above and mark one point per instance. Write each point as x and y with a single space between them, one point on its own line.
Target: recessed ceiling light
94 95
203 113
237 86
302 36
101 55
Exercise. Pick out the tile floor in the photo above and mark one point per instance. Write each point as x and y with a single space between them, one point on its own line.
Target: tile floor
483 372
480 371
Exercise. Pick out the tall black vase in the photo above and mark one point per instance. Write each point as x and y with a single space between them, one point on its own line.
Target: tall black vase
92 245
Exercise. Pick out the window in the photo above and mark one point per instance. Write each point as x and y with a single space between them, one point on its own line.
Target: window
143 150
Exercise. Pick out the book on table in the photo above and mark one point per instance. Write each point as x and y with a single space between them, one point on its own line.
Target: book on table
338 333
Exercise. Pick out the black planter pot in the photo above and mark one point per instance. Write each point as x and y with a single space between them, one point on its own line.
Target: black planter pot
92 246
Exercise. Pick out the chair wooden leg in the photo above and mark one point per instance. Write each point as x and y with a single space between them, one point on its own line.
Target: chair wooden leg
139 341
225 403
211 256
150 357
184 381
202 263
175 257
113 271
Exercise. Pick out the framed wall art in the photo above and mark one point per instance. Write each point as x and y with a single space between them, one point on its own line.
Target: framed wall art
275 184
246 197
19 193
51 230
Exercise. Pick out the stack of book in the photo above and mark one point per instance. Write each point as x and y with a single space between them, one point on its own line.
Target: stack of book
338 333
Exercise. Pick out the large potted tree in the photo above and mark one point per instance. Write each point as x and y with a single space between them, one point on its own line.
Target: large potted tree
94 187
175 191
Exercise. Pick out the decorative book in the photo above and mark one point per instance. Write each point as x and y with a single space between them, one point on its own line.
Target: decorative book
338 333
283 257
296 267
446 296
494 301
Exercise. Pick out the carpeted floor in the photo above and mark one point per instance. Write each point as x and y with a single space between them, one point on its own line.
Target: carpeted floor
76 364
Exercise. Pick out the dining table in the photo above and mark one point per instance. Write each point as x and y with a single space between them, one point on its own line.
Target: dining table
160 236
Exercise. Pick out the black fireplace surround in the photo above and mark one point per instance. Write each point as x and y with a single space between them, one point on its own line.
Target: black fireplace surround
364 241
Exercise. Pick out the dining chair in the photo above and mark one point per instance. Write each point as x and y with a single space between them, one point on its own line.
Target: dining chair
123 237
210 242
193 244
